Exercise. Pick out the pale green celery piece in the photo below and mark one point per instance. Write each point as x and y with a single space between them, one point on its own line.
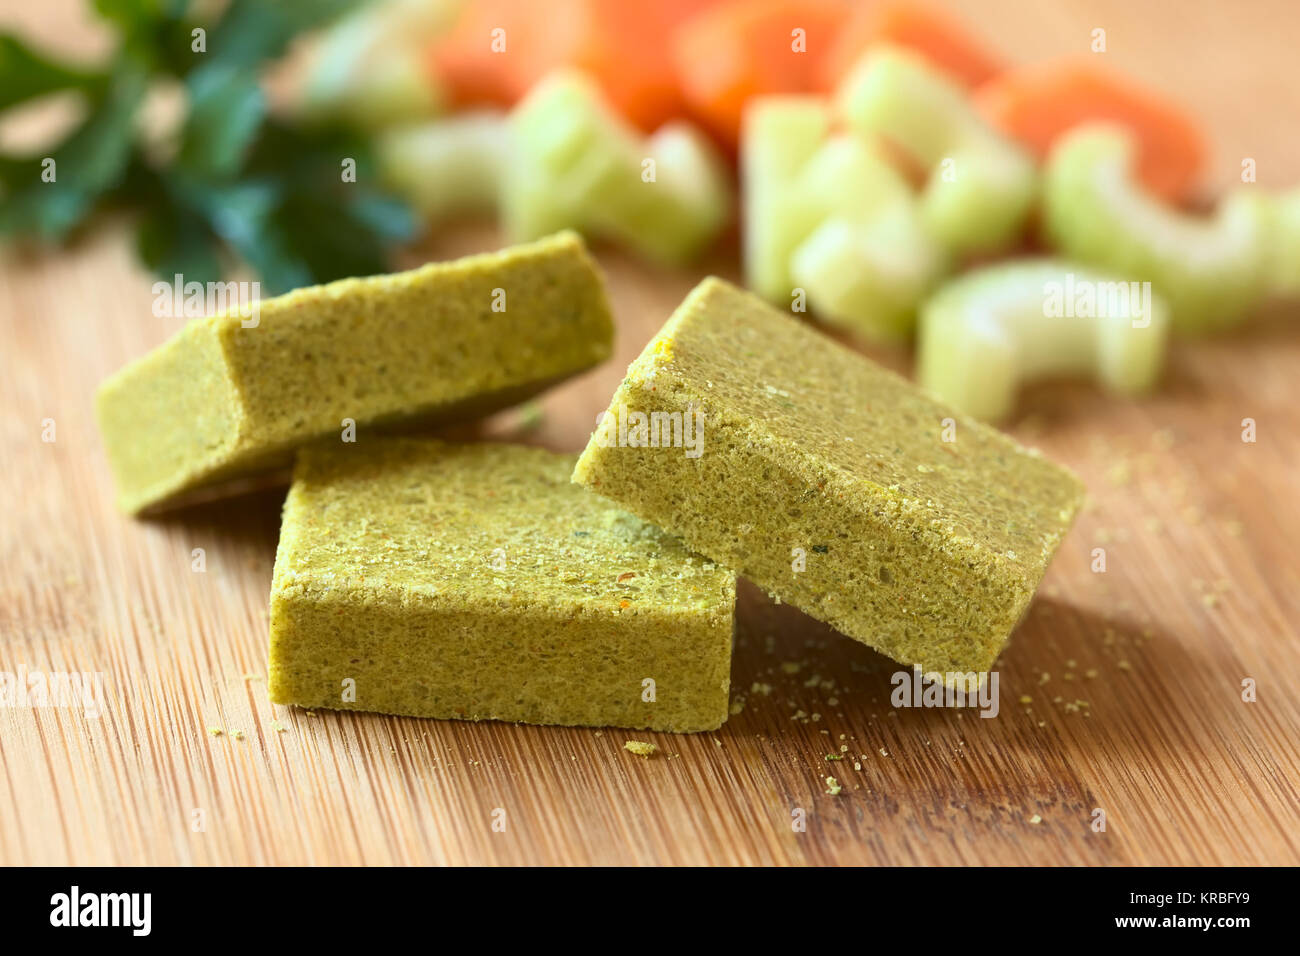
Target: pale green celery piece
449 166
780 135
1285 247
1211 271
574 163
671 217
1281 216
849 177
369 69
984 335
838 222
979 186
869 276
566 150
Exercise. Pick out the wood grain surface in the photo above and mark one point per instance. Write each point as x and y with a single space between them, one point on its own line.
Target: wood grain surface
1131 679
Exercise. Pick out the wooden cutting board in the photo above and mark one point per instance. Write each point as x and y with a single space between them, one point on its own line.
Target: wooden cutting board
1121 692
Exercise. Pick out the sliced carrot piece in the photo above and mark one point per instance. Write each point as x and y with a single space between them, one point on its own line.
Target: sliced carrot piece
629 54
737 50
624 47
933 33
474 69
1036 104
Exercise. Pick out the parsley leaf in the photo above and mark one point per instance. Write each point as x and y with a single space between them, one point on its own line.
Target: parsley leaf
239 184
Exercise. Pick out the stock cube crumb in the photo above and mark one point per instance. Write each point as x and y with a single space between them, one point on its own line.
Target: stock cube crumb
832 483
232 395
477 582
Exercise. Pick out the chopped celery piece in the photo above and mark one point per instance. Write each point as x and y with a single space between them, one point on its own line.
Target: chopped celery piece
1281 217
1211 270
575 164
447 167
567 153
671 217
869 276
828 214
780 135
983 335
369 67
979 185
1284 245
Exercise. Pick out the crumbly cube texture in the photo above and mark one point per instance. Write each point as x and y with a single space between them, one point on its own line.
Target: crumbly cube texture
927 550
477 582
416 348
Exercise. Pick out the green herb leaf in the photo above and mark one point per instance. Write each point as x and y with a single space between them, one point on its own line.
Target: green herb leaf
252 31
25 74
134 15
227 106
239 181
89 163
170 238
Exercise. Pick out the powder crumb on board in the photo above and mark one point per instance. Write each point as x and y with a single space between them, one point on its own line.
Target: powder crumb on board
215 731
835 756
1035 819
833 786
278 727
237 735
640 748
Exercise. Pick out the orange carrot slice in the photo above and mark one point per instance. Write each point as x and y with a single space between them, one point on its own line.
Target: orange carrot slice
491 55
1036 104
624 47
629 54
933 33
737 50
